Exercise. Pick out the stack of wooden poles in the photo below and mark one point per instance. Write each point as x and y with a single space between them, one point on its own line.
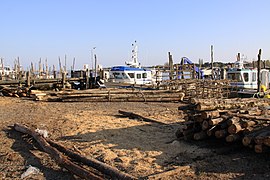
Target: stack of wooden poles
246 120
114 95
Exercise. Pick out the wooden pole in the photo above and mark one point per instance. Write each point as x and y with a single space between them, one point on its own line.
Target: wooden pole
28 79
95 68
56 155
259 71
212 61
170 65
63 80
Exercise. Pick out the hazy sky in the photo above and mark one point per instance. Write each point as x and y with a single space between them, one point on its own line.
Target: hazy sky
34 29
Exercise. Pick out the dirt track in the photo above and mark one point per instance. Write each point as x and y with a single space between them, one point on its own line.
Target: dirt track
135 147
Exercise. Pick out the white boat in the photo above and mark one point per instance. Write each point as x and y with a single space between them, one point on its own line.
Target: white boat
133 73
246 78
6 71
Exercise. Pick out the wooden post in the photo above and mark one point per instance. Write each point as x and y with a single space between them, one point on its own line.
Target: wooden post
259 71
63 80
54 72
194 71
39 68
28 79
3 71
95 69
212 61
177 71
87 78
170 65
182 68
47 69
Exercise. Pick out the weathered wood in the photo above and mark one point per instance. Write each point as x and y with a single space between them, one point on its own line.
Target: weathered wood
248 123
102 167
233 137
210 114
235 128
205 125
200 135
215 121
56 155
233 120
221 133
168 173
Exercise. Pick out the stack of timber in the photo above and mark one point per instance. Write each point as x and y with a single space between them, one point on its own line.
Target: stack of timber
13 91
200 88
243 120
112 95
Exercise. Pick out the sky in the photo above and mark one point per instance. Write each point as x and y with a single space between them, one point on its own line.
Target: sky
49 29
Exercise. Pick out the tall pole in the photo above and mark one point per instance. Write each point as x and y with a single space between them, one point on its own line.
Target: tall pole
65 69
212 61
95 68
259 71
92 57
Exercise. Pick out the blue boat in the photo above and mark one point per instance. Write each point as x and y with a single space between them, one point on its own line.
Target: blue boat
132 72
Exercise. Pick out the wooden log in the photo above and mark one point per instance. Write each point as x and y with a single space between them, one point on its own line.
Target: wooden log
205 125
212 130
247 140
168 173
200 135
221 133
248 123
56 155
260 148
259 139
246 116
233 138
266 141
215 121
210 114
235 128
233 120
102 167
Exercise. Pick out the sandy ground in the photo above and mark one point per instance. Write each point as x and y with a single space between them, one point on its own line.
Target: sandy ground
139 148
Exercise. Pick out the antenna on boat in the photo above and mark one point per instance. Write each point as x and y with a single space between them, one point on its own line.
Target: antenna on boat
134 58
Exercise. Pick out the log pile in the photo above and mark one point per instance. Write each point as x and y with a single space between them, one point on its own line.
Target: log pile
110 95
73 162
243 120
200 88
14 91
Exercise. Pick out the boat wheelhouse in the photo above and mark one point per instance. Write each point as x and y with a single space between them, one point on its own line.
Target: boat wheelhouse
247 78
131 75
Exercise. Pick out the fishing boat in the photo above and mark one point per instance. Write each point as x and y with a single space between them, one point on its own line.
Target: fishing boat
6 71
132 72
245 80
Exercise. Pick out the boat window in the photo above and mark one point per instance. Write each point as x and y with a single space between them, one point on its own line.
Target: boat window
234 76
139 76
117 76
131 75
254 76
144 75
124 76
245 77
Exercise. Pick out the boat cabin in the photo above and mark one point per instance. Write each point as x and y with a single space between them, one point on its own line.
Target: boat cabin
247 78
130 75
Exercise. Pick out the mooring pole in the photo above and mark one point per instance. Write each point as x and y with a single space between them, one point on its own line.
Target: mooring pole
28 79
95 69
170 65
212 61
259 71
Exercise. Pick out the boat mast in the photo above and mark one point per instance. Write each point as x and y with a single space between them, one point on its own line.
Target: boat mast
134 58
